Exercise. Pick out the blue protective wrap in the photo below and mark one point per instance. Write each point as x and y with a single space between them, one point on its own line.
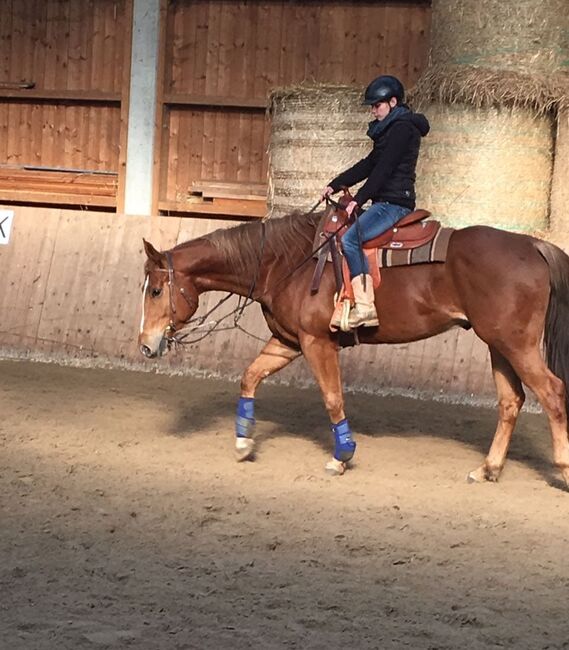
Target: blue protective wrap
345 446
245 419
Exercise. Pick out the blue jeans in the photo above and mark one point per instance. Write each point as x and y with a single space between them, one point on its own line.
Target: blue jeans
374 221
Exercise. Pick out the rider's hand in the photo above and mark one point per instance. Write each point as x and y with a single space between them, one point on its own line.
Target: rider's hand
326 192
352 205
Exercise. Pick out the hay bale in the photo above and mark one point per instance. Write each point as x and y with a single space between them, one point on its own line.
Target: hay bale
481 87
526 36
493 87
486 166
317 132
559 220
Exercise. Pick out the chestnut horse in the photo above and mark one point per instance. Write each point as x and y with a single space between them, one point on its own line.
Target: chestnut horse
512 289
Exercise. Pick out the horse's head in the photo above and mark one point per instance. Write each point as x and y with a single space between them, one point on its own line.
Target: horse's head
169 301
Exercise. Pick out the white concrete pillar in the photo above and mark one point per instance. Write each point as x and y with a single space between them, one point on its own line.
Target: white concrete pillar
142 107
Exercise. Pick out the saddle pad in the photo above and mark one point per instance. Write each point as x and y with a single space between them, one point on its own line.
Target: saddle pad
433 251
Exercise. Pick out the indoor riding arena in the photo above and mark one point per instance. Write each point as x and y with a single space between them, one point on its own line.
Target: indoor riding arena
127 521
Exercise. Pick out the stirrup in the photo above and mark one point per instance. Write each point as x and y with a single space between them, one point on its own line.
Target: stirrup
344 321
339 321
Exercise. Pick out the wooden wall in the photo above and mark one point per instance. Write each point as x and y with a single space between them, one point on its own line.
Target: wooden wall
62 87
82 300
64 84
223 57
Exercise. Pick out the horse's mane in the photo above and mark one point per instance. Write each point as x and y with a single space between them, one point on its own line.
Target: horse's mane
288 238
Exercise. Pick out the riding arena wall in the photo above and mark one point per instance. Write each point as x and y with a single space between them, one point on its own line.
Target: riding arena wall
71 279
81 304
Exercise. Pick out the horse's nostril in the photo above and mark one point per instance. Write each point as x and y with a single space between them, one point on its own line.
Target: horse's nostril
146 351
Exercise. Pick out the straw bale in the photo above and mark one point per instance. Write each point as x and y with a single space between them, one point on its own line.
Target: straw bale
527 36
487 166
559 218
317 132
482 87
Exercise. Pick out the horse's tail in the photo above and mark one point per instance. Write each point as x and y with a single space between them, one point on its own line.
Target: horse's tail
556 331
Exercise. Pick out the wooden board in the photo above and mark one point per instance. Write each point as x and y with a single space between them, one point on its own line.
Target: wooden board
226 207
69 188
230 190
71 55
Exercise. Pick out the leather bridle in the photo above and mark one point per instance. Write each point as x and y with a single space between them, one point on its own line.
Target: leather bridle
192 302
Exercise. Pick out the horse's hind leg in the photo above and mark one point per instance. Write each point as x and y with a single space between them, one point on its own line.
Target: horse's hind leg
272 358
550 391
510 401
321 353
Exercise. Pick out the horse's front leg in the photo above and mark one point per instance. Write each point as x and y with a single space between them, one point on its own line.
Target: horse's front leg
321 354
273 357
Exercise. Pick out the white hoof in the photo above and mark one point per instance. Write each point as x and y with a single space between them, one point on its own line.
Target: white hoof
244 449
335 467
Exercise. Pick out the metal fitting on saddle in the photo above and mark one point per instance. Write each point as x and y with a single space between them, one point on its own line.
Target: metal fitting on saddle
345 446
245 420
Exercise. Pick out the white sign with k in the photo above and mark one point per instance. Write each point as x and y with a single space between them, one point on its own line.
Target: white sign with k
6 218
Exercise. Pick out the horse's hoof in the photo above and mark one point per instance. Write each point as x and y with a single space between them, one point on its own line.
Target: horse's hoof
483 474
244 449
335 467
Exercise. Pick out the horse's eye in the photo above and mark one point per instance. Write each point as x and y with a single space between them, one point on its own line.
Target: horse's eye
156 292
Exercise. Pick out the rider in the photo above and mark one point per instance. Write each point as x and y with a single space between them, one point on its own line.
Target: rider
390 172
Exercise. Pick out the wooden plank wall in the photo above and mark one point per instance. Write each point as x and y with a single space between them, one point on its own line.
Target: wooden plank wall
222 59
219 61
81 300
73 53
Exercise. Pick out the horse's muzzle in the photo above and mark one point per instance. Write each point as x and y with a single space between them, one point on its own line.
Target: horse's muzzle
153 347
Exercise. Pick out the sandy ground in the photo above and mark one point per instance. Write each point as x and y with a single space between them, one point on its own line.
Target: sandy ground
127 523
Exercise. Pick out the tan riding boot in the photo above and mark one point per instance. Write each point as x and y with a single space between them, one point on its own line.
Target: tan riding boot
364 312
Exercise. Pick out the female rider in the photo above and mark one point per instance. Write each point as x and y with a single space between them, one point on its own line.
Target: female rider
396 132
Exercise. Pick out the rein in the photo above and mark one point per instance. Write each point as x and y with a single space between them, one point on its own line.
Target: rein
180 337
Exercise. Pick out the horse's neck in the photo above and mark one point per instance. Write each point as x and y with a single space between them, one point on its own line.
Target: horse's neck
212 267
211 271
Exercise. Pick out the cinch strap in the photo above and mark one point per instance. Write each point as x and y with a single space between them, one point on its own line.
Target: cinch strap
345 446
245 420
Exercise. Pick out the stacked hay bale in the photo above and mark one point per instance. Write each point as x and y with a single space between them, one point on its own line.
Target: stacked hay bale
491 92
317 131
559 218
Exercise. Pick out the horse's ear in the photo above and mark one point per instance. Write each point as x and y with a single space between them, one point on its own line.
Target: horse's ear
152 254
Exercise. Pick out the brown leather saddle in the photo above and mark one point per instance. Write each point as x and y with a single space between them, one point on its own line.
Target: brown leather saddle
409 232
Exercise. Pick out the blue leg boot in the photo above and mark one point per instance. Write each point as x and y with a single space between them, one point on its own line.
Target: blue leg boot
344 447
244 426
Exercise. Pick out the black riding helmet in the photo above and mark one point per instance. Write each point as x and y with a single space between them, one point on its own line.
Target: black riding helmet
383 89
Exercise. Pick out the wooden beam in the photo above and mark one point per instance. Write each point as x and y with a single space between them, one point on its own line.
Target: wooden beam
160 163
229 207
125 104
19 85
231 190
246 103
57 96
56 198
